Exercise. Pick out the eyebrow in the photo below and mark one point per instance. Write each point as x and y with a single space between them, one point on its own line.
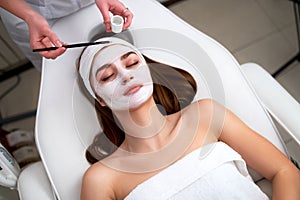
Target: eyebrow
127 54
124 56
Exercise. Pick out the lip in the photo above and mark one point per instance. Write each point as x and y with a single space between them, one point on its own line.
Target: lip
132 89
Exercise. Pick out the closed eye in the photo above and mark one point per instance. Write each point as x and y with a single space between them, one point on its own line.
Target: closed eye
130 59
105 74
106 78
132 64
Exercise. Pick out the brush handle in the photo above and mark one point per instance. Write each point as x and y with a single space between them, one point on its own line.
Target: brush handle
45 49
71 46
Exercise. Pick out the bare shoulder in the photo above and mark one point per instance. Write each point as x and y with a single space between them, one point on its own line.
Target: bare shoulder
96 171
209 115
97 183
208 104
206 107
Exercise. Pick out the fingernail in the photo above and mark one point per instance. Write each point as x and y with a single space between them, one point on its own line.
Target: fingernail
58 43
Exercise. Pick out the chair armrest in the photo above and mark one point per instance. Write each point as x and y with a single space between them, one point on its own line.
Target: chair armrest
33 183
277 101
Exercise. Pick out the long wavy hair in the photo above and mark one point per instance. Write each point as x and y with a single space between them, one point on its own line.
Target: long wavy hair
173 90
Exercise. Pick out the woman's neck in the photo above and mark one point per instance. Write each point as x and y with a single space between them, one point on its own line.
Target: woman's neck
146 129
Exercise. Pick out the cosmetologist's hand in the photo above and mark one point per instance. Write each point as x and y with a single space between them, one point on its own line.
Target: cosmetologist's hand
41 36
116 8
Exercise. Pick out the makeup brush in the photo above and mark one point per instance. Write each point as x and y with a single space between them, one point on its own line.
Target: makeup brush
71 46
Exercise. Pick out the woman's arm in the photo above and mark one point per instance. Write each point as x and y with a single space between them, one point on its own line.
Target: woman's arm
40 32
18 7
97 183
261 155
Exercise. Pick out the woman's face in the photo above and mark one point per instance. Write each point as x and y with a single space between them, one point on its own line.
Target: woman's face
121 77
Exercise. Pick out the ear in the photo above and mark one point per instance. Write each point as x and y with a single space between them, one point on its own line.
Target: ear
101 102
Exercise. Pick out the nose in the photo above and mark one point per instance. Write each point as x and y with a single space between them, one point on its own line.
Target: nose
126 79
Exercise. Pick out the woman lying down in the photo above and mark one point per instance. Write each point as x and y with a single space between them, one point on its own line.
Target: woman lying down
168 147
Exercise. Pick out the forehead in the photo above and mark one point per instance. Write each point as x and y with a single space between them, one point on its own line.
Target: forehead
111 53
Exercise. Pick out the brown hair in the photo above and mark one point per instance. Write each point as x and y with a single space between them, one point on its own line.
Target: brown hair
173 90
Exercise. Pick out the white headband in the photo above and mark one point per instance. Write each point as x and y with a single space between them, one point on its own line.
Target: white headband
88 56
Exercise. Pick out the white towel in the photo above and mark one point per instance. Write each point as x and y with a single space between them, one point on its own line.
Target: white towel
214 171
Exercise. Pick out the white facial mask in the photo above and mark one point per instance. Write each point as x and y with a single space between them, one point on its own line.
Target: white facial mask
122 83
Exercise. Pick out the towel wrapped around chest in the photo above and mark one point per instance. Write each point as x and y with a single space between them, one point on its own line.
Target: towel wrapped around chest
214 171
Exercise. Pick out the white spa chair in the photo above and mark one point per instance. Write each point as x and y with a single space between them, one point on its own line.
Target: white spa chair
66 121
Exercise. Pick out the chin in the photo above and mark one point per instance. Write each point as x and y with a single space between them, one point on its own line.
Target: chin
139 104
135 102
